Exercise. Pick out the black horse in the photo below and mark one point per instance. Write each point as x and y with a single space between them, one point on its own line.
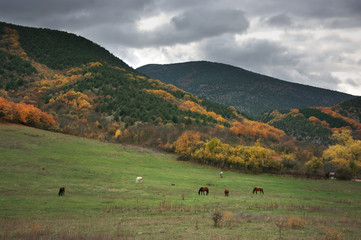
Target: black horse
202 190
61 191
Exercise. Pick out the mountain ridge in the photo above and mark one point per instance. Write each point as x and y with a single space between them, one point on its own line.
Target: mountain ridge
249 92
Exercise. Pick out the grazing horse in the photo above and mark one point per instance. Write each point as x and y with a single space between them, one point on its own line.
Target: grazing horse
139 179
226 192
256 189
61 191
202 190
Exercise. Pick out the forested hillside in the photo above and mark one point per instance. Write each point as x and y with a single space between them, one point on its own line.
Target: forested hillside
249 92
350 108
62 82
314 124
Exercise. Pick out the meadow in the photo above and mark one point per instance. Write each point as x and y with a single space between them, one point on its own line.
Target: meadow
103 201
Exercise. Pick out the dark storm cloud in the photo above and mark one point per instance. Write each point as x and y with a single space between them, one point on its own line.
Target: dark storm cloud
280 20
71 15
301 41
255 54
211 23
183 28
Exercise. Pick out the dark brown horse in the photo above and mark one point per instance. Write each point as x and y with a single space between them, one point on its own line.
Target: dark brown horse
256 189
61 191
226 192
202 190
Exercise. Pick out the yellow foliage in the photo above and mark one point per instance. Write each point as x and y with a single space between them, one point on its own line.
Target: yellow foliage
314 165
10 39
95 64
117 133
185 143
75 70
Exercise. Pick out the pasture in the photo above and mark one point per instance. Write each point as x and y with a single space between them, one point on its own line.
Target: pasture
103 201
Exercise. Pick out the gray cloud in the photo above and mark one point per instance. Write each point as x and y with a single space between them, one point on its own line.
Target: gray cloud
280 20
184 28
211 23
254 54
307 41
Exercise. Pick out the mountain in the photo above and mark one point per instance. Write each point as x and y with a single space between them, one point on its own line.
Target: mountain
58 80
81 84
247 91
62 82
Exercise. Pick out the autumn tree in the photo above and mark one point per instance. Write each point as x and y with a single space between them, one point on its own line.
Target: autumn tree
186 143
345 157
25 113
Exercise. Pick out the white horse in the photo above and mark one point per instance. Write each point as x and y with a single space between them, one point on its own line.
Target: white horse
139 179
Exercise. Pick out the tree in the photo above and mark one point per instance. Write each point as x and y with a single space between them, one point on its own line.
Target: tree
345 157
186 143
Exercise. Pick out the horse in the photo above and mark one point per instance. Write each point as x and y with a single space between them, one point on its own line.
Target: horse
139 179
256 189
202 190
226 192
221 174
61 191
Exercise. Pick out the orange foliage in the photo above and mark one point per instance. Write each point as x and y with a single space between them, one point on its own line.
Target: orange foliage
318 121
95 64
187 105
257 130
295 111
24 113
334 114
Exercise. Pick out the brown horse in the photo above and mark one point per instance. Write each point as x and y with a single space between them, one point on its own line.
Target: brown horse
226 192
256 189
202 190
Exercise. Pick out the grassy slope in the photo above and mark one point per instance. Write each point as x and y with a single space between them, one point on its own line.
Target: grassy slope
103 201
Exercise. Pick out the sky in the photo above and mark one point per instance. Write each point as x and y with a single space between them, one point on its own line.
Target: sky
312 42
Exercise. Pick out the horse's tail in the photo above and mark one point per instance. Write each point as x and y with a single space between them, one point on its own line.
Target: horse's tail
207 191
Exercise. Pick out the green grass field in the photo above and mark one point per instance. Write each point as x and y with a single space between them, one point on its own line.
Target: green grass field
102 200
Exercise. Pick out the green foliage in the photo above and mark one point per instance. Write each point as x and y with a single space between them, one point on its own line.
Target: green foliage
334 122
122 96
13 70
303 129
350 108
60 50
218 108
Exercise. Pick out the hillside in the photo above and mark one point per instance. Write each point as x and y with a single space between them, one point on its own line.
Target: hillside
248 92
79 88
316 124
60 81
350 108
102 200
88 90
